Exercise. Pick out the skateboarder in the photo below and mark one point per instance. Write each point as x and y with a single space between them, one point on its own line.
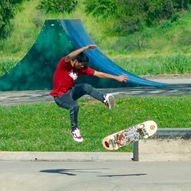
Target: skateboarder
66 92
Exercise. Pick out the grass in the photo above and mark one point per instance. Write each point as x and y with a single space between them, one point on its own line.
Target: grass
7 64
154 65
45 127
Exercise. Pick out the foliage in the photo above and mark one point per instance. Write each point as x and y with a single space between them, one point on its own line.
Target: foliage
6 65
130 16
58 5
181 4
159 10
101 8
7 12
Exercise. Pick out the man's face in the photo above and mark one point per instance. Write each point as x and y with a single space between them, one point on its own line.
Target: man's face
78 65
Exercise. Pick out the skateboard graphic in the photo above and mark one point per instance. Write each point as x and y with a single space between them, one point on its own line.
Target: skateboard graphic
129 135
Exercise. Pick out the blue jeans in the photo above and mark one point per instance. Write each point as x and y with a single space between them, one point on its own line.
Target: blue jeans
68 100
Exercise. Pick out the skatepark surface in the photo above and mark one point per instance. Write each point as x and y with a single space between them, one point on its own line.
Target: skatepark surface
95 176
86 172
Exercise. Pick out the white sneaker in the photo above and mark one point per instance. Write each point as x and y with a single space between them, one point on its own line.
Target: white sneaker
109 101
76 135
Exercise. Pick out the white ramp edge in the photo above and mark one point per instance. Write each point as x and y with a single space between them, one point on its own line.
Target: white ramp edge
65 156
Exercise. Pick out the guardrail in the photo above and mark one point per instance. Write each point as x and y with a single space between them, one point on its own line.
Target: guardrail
163 133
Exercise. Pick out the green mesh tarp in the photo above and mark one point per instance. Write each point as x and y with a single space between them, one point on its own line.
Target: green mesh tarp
56 39
35 70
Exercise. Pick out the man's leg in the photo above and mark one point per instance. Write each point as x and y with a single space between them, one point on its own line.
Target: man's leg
66 101
82 89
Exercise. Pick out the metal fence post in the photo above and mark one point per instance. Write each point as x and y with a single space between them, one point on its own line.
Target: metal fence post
135 151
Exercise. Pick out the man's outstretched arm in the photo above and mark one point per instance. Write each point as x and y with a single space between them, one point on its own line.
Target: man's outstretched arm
120 78
75 53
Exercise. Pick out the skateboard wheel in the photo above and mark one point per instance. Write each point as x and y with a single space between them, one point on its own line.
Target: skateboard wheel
106 144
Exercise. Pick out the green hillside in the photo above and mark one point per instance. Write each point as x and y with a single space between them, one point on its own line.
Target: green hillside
161 49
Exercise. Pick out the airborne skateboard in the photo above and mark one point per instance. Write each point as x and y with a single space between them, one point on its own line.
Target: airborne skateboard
129 135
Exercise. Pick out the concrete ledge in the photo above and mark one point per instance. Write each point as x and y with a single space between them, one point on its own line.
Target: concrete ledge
176 149
173 133
65 156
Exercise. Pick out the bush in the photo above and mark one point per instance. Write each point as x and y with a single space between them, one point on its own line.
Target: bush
58 5
159 10
101 8
130 16
181 4
7 12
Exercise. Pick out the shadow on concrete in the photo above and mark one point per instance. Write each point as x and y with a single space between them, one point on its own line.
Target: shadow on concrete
71 172
122 175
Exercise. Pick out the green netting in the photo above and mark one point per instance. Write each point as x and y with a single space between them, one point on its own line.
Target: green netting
56 39
35 70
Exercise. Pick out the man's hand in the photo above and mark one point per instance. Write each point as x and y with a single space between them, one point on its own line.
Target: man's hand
122 78
75 53
91 46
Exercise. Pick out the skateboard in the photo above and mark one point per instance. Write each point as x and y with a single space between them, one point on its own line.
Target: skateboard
129 135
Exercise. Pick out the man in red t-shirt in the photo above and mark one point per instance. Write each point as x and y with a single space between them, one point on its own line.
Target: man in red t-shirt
66 92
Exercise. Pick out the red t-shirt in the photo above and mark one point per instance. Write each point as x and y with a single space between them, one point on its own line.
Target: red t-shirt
65 76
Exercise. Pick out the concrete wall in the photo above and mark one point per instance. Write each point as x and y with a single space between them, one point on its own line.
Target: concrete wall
173 149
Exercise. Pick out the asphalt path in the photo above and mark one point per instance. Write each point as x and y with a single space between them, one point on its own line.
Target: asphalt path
182 87
95 176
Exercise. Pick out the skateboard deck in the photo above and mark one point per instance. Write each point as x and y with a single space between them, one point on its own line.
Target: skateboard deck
129 135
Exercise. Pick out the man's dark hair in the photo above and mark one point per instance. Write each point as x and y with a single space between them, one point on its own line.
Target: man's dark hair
82 58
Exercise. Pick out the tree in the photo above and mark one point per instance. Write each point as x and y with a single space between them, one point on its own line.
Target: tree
130 16
58 5
181 4
7 12
101 8
159 10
